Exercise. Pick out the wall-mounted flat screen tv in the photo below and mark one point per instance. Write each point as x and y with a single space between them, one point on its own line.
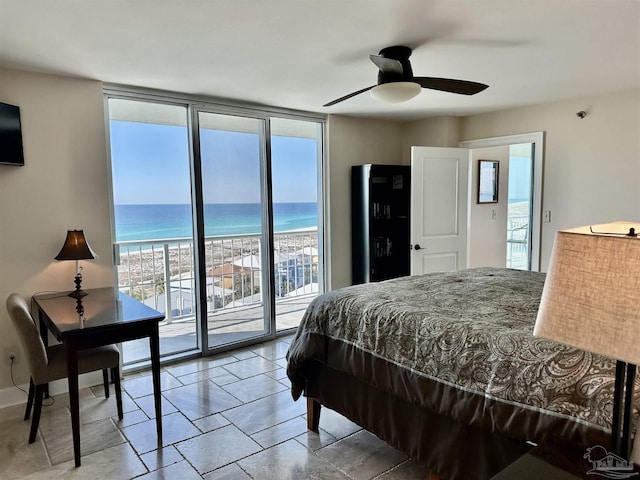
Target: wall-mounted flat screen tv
10 135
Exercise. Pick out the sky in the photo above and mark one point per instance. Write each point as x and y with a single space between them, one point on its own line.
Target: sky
150 165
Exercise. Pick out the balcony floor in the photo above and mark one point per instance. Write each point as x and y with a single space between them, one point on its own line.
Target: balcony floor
224 326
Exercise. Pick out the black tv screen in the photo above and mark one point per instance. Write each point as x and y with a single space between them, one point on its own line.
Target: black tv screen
10 135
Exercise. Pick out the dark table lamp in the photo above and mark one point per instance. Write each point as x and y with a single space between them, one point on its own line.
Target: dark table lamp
76 248
591 300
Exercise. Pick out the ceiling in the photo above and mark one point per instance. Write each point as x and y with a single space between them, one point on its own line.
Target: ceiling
301 54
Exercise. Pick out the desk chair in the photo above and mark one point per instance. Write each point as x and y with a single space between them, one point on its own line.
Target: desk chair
49 364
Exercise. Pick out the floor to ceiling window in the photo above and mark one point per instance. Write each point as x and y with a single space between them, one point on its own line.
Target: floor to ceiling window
217 215
296 153
152 216
519 206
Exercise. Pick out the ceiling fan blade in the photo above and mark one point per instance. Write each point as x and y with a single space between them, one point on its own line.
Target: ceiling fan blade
463 87
387 65
348 96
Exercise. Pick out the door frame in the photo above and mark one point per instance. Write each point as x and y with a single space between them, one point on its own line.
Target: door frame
537 139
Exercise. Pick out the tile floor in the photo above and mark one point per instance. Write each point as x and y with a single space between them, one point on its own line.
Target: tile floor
229 417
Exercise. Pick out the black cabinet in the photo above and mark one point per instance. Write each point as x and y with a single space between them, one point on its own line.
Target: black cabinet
380 222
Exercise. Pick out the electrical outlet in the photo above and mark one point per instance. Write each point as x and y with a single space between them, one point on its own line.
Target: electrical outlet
9 353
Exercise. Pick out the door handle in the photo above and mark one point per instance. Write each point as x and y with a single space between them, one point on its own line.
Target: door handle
417 246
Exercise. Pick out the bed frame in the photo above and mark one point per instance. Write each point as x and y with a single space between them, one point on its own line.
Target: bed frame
454 450
427 364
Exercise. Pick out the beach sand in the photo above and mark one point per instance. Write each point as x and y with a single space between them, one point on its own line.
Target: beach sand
144 263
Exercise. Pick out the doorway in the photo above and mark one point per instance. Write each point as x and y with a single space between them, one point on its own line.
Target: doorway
529 248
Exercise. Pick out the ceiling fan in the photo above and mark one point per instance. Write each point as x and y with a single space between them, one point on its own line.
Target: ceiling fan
396 82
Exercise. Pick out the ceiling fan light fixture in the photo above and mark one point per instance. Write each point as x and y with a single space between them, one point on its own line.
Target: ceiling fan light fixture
395 92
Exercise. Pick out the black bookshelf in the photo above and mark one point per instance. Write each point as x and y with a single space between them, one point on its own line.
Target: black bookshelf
380 222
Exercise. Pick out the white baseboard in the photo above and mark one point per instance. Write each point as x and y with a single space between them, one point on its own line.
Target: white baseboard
12 396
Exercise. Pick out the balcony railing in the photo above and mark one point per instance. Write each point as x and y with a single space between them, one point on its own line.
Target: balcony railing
518 241
161 273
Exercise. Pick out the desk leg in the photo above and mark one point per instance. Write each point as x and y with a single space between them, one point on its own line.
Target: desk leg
74 403
154 344
44 335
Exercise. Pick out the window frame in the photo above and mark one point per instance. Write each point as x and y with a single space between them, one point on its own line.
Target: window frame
195 104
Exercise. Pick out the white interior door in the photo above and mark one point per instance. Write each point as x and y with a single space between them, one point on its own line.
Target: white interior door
439 196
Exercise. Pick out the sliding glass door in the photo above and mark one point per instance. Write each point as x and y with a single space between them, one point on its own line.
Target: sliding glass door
217 219
232 162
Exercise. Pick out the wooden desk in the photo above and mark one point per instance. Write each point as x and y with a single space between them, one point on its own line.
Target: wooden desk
102 317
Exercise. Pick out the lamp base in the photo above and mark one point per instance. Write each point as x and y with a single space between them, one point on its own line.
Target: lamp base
622 409
77 294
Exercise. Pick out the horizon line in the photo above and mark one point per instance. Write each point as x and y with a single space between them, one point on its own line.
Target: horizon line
214 203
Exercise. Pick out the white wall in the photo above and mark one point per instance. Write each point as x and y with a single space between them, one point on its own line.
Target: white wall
591 166
430 132
488 221
63 185
352 141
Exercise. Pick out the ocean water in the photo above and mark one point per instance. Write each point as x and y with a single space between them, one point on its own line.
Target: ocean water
153 222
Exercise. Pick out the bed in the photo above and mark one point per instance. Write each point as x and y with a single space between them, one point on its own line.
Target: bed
445 368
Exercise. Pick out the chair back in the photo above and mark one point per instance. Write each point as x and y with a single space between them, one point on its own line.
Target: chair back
32 345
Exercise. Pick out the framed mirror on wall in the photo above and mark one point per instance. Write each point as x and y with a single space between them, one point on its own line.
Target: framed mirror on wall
488 181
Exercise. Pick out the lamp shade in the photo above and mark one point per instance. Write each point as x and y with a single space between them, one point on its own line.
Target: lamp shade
75 247
591 295
395 92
